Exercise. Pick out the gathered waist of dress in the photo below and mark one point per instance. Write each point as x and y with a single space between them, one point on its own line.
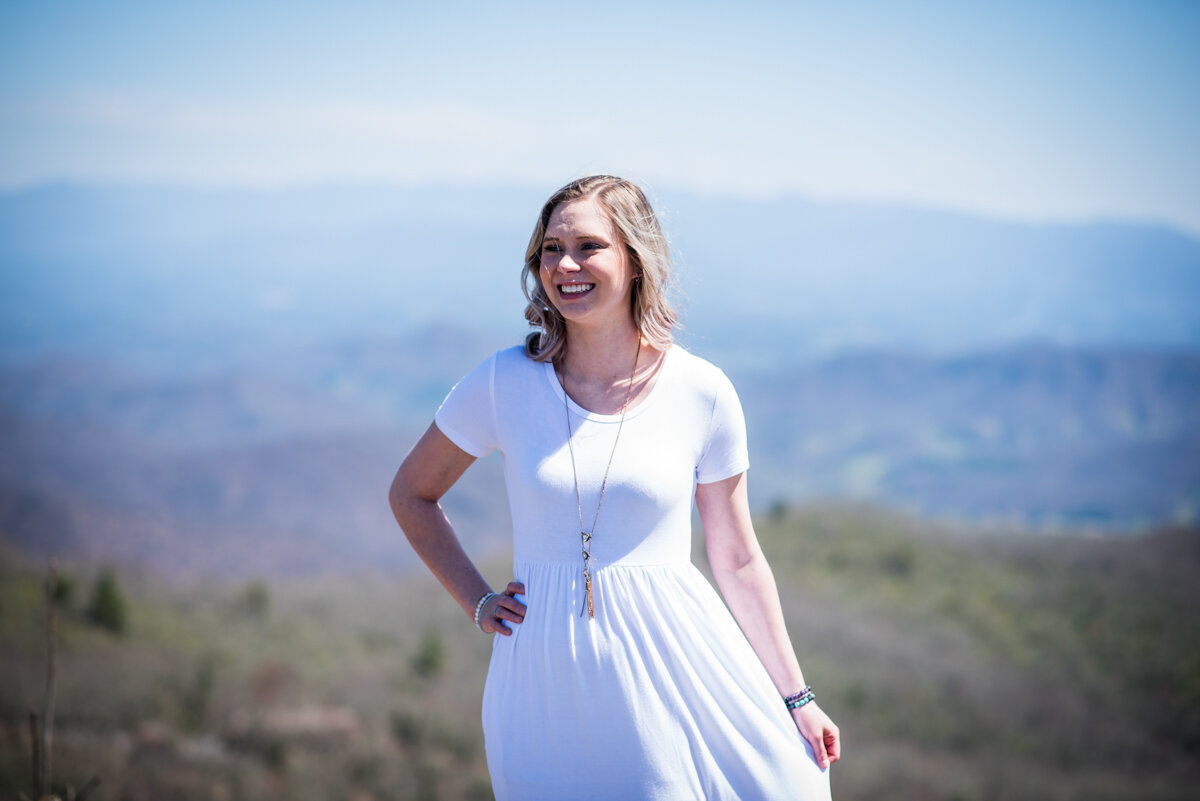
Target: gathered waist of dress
576 565
612 546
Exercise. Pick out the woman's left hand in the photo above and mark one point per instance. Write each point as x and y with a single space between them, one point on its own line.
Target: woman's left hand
503 607
820 732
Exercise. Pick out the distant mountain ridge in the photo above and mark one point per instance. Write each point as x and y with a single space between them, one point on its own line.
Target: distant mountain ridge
172 273
823 279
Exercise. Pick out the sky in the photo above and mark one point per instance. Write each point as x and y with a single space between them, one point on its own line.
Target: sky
1035 111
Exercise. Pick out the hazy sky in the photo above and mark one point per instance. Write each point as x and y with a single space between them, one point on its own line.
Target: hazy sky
1029 110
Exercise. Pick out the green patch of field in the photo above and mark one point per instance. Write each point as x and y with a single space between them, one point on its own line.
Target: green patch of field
960 664
997 665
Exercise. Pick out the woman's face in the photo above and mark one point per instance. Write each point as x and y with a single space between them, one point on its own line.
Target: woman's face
585 268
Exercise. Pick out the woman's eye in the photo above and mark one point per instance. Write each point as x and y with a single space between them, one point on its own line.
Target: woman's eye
548 248
592 246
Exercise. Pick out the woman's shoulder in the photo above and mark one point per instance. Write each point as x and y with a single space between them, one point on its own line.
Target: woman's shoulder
696 368
509 364
514 357
504 362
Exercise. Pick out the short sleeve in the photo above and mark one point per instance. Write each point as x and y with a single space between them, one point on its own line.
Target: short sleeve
725 453
468 414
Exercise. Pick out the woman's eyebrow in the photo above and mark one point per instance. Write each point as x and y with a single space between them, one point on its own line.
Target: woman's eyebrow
579 235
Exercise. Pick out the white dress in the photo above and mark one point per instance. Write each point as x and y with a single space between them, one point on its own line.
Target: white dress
660 695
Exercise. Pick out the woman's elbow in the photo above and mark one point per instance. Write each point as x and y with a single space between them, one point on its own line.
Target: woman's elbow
400 498
735 562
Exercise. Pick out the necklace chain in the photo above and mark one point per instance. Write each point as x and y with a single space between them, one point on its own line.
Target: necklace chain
585 536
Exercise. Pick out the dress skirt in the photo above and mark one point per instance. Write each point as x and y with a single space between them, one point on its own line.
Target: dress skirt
660 696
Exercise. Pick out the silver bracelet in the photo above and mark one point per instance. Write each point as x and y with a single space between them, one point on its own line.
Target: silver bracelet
487 596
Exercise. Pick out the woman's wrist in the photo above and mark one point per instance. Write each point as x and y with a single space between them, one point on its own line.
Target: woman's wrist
800 699
479 605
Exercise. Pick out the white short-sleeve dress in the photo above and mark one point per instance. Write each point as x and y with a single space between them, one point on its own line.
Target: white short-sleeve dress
659 696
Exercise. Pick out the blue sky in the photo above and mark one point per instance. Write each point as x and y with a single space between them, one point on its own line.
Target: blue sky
1023 110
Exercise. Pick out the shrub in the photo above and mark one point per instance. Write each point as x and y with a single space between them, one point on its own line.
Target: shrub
255 600
430 659
63 592
108 609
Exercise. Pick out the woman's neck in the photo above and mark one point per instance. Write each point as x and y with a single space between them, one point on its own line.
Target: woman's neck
597 369
600 356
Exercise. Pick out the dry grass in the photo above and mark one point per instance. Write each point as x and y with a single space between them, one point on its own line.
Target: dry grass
960 665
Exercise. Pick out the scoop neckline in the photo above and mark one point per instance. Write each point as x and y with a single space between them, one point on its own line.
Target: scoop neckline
587 414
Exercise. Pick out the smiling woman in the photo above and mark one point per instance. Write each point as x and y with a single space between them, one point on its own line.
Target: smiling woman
618 672
619 220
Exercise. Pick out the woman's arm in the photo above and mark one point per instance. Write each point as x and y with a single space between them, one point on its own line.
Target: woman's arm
428 472
746 581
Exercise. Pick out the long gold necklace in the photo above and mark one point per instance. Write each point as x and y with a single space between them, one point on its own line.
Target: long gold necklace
585 536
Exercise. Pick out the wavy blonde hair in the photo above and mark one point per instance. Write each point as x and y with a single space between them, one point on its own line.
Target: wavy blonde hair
646 245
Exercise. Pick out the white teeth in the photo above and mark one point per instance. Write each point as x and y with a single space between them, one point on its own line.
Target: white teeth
575 289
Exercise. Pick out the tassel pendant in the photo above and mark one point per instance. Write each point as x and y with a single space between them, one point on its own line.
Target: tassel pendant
587 581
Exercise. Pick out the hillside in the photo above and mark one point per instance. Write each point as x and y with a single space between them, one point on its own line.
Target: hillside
280 466
960 663
1033 435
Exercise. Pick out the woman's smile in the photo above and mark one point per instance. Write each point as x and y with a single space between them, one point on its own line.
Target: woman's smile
575 289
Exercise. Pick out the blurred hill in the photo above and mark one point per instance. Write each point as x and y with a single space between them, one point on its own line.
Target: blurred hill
1036 436
281 467
272 468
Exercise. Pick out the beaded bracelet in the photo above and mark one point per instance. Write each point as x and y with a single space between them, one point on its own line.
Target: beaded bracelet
797 700
487 596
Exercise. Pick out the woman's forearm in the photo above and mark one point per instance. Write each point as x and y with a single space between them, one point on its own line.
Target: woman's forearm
750 592
429 532
745 579
427 473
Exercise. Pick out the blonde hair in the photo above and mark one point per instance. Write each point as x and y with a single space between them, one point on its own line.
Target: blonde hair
646 245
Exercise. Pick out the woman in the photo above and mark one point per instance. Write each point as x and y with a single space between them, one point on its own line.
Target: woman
618 672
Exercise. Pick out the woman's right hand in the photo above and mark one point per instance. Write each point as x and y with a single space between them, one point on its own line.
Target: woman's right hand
503 607
822 735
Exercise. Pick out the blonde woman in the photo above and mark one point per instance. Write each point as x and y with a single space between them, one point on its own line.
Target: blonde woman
618 672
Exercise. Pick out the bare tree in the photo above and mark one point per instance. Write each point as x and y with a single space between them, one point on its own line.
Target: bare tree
42 736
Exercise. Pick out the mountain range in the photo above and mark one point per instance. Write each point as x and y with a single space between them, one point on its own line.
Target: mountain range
168 274
224 381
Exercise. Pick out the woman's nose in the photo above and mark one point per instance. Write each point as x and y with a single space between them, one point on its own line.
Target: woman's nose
567 264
